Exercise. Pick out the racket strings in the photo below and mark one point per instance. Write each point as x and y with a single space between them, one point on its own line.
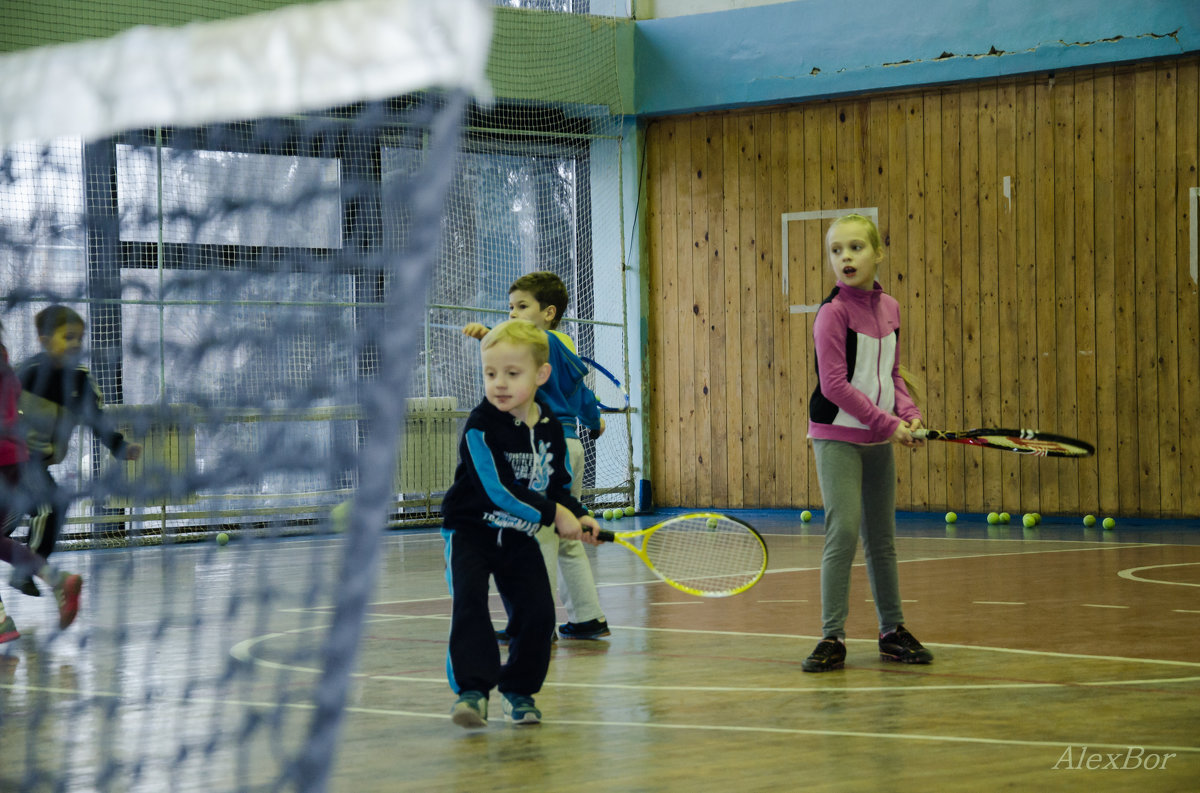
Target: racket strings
719 558
1038 447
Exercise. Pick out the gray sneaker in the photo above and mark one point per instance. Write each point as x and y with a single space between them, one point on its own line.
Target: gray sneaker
521 710
470 710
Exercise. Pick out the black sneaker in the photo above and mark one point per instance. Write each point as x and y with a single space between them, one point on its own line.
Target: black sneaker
829 654
902 646
592 629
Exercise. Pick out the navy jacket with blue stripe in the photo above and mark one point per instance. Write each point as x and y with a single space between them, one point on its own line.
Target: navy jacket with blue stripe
510 475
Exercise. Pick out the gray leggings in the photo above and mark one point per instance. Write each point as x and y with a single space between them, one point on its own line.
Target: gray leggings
858 486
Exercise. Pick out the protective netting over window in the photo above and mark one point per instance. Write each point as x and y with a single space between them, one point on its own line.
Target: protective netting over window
157 235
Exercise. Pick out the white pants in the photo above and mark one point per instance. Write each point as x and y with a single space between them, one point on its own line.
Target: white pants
567 561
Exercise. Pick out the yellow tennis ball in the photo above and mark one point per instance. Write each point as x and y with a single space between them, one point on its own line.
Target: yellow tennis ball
1029 521
806 516
630 512
222 539
1089 520
1109 523
711 523
339 516
1005 517
993 517
951 517
608 514
1037 518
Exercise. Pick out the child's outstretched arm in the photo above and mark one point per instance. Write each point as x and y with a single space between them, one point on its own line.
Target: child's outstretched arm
476 330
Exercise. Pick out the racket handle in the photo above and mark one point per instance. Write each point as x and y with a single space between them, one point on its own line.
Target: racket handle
920 434
606 536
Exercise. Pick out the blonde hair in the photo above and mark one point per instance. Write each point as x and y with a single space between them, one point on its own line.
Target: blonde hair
853 217
914 384
520 333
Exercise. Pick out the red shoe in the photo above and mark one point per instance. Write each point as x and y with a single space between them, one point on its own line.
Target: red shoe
66 592
8 630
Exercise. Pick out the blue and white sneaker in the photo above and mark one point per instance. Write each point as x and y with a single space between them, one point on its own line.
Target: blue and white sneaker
520 709
470 710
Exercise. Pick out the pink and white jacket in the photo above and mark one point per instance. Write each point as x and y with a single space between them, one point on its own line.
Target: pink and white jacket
860 396
12 442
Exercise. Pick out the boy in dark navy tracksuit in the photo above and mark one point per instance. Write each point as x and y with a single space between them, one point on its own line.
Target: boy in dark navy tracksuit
58 394
513 477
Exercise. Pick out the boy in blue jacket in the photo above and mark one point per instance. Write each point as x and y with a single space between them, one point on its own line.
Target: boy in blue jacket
513 478
541 297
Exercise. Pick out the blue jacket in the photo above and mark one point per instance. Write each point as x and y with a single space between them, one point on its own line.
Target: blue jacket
510 475
568 398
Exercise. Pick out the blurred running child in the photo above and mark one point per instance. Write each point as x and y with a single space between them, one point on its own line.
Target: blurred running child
13 455
58 395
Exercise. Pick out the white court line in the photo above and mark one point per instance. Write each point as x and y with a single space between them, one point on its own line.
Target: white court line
1102 606
243 652
267 706
1129 574
997 603
975 556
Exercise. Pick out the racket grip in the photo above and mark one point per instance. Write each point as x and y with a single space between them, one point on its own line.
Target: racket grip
920 434
606 536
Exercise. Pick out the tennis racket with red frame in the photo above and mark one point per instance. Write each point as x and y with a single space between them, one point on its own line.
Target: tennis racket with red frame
1021 441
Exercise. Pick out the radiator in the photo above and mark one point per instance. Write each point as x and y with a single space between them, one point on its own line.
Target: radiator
160 476
429 448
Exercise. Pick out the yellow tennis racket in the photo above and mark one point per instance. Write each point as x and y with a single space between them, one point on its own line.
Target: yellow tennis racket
702 554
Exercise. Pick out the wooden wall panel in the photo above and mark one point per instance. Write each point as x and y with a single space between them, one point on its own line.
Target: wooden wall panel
730 391
1083 257
1187 291
1036 237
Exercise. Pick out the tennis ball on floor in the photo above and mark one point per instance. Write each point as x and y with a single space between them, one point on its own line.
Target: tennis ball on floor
339 516
1037 518
222 539
711 523
951 517
993 518
1028 521
806 516
630 512
1109 523
1005 517
608 514
1089 520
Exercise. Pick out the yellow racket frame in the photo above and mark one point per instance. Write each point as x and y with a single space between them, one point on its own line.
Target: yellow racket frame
624 539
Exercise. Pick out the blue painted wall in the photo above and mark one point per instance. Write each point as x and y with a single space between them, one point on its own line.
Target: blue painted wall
818 48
